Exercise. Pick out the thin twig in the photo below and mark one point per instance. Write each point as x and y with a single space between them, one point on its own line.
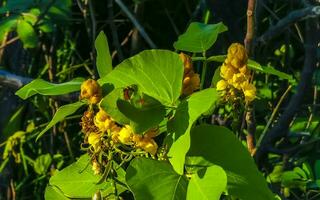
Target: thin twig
274 112
136 23
9 42
114 31
291 18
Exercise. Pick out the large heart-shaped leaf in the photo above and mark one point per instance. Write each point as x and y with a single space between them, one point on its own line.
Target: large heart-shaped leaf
39 86
78 180
157 73
207 184
104 60
199 37
156 180
142 118
109 104
216 145
187 113
62 113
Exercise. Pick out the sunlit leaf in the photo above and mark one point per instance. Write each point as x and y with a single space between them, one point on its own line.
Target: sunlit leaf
217 145
160 182
27 34
104 60
157 73
39 86
199 37
187 113
61 114
208 183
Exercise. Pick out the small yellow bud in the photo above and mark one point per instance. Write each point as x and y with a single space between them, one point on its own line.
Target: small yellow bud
195 81
125 135
187 62
91 91
227 71
249 91
96 168
103 121
148 145
237 55
222 85
94 139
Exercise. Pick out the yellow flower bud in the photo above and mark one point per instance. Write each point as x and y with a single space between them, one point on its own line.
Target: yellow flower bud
148 145
103 121
187 62
227 71
94 139
195 81
222 85
91 91
237 55
249 91
96 168
238 80
125 135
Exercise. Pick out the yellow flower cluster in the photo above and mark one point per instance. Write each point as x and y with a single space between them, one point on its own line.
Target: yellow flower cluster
118 134
235 74
103 134
91 91
191 80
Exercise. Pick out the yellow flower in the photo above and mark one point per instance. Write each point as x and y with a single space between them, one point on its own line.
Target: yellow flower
237 55
187 62
222 85
125 135
96 168
91 91
249 91
195 81
148 145
94 139
103 121
227 71
238 80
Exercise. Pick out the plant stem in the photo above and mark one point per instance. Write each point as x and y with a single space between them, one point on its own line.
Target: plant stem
204 70
273 115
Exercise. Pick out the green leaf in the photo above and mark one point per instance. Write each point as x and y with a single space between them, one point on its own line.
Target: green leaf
207 184
27 34
269 70
157 73
143 118
104 60
78 180
42 163
39 86
53 193
62 113
216 145
216 77
7 25
109 104
156 180
199 37
15 122
187 113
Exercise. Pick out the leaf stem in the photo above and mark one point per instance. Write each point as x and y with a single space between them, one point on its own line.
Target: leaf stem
204 70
